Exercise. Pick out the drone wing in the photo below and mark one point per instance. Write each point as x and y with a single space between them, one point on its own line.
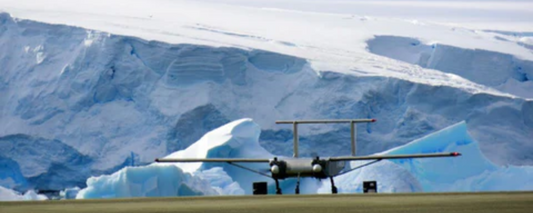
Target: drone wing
232 161
382 157
214 160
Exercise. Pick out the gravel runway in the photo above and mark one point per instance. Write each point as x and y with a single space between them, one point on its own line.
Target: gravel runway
500 202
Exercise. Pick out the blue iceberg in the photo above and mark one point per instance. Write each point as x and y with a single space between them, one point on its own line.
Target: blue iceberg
470 172
11 195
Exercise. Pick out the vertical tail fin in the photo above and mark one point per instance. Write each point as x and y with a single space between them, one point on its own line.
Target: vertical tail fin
353 130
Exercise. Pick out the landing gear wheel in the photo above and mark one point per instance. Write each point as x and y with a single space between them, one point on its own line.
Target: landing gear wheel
334 190
333 187
278 190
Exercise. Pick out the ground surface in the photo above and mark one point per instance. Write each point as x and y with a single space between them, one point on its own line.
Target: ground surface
415 202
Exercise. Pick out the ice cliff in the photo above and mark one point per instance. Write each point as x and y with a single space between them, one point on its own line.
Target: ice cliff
76 103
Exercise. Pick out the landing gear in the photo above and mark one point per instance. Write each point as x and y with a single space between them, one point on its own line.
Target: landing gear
278 190
333 187
297 190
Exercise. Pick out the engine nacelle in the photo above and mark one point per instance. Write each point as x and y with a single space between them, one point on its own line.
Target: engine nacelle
274 169
304 167
317 168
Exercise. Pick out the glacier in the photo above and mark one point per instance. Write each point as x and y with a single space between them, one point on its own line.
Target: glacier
240 139
107 101
507 72
89 89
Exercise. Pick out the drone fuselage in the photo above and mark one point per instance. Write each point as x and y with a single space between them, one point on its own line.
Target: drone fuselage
305 167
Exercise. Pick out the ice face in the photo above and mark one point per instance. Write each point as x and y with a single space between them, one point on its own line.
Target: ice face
106 101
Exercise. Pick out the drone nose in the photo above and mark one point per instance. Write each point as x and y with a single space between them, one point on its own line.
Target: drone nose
274 169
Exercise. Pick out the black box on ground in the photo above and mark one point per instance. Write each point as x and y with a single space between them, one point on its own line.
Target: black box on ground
370 186
260 188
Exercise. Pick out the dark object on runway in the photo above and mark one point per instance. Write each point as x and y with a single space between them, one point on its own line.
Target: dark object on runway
316 167
260 188
370 187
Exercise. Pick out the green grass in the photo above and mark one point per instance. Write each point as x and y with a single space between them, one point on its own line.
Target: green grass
500 202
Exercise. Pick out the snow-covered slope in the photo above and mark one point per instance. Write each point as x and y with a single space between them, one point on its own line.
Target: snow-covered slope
137 82
331 41
504 72
239 139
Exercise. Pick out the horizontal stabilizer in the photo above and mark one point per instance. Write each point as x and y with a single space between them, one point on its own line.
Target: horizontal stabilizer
327 121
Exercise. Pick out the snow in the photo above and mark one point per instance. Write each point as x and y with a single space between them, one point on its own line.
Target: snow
507 73
113 84
10 195
330 40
